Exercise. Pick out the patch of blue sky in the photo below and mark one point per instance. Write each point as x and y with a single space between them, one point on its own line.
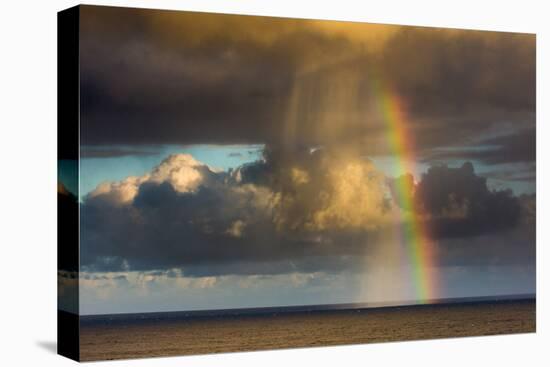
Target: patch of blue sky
130 161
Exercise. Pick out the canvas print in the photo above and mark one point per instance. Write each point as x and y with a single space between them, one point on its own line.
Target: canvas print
236 183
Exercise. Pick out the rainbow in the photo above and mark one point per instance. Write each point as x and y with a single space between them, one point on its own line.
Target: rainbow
413 231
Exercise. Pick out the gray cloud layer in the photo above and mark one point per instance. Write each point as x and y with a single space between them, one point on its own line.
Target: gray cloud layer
191 77
519 146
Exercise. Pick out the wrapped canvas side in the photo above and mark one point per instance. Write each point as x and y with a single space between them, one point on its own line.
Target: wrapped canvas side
68 188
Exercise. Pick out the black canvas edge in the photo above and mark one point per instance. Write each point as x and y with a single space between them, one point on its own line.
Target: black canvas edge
68 240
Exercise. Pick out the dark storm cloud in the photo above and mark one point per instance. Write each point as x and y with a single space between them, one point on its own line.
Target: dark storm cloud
276 216
459 85
457 202
460 71
472 224
175 77
460 204
162 73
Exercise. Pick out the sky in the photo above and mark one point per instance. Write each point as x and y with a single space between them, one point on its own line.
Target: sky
235 161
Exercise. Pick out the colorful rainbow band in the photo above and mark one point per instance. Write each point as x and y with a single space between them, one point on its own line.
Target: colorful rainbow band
414 234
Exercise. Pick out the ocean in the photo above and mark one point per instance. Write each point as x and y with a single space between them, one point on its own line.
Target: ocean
122 336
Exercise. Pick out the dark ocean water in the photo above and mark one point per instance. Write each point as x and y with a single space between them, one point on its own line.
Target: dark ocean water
198 332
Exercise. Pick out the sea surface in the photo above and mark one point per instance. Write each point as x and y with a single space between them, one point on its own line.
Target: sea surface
125 336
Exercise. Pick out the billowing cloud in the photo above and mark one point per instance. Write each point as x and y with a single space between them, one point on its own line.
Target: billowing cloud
182 172
185 214
320 190
460 204
318 211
